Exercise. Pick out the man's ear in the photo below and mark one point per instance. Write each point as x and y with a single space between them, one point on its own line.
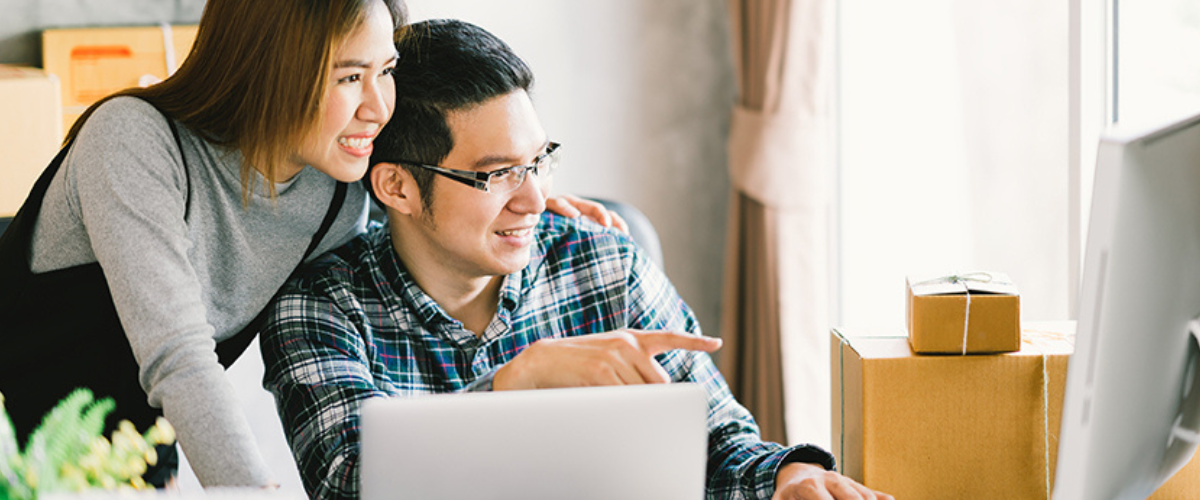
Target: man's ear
396 188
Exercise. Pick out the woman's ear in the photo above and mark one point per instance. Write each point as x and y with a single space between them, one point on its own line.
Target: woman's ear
396 188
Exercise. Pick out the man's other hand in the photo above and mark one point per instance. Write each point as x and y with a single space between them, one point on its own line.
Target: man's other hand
623 357
800 481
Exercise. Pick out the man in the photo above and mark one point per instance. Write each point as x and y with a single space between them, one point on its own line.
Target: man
472 287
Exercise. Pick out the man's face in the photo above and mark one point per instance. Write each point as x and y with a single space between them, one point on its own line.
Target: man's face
471 232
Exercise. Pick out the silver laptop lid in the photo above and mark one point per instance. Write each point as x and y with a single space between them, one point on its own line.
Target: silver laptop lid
632 442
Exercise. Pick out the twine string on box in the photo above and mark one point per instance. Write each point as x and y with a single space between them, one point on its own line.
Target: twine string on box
966 322
1026 339
169 48
1046 421
148 79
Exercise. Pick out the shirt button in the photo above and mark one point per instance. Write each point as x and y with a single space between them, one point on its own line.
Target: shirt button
481 364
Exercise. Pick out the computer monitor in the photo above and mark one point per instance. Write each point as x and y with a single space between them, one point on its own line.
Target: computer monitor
1130 416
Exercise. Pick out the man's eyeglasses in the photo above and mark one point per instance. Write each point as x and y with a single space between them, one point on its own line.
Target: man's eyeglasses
504 180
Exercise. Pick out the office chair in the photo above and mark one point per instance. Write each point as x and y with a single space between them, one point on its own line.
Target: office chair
640 228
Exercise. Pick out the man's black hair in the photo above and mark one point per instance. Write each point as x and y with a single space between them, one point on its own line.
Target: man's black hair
443 65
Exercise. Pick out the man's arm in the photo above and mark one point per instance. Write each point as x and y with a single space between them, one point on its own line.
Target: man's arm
314 358
740 463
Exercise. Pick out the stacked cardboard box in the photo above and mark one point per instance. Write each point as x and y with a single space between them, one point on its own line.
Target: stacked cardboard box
976 312
30 131
954 427
94 62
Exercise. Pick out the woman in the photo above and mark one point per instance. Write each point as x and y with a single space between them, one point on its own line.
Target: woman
177 212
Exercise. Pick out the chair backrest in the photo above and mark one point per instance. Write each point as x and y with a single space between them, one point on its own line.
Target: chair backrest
640 228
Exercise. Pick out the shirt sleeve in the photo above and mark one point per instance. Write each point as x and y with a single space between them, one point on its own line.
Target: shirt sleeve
130 185
316 367
740 464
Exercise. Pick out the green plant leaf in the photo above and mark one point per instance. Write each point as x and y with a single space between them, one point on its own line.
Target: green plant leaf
12 482
8 446
61 438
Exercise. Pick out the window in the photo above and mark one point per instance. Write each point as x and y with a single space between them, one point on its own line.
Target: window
968 136
1157 60
953 148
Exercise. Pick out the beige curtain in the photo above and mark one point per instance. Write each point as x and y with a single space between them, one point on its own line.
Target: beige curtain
775 307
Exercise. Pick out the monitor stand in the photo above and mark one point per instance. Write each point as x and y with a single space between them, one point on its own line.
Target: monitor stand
1185 432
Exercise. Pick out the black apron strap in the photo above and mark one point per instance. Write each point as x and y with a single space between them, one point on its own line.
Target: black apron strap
230 349
14 243
187 174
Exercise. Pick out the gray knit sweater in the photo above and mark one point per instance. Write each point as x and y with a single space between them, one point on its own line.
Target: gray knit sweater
180 285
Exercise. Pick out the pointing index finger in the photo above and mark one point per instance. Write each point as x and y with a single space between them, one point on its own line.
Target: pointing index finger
658 342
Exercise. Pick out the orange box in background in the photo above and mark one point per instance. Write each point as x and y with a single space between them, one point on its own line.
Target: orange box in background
30 131
92 63
971 313
955 427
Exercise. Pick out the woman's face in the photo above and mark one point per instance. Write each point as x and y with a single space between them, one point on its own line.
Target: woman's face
359 99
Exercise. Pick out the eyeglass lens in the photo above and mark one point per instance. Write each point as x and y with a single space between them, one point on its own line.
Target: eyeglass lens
511 179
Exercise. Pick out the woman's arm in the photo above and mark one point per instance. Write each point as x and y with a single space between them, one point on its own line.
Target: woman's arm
130 190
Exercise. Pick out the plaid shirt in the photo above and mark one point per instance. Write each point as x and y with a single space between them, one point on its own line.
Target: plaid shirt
354 325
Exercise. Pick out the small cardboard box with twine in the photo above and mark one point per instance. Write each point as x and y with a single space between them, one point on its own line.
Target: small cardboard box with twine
977 312
954 427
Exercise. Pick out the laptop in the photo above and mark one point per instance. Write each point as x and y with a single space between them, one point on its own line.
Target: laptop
630 442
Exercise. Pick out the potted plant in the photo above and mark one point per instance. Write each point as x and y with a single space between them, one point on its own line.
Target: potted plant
68 452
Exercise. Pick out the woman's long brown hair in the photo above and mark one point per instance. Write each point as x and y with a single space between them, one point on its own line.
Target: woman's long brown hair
255 78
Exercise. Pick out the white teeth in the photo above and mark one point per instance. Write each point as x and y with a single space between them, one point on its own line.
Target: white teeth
355 143
518 232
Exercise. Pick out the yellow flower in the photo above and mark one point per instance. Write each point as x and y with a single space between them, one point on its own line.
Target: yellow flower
130 433
73 477
100 447
162 432
121 444
92 464
136 466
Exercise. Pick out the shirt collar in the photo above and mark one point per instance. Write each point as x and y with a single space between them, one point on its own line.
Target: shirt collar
422 306
537 256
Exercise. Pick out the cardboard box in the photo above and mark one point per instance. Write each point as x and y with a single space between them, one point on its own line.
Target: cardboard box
92 63
954 427
30 131
1184 485
964 314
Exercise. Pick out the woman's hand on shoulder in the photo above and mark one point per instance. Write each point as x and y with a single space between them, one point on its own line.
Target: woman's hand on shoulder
573 206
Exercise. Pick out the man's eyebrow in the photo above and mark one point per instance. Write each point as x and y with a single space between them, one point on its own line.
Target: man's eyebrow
359 63
497 159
